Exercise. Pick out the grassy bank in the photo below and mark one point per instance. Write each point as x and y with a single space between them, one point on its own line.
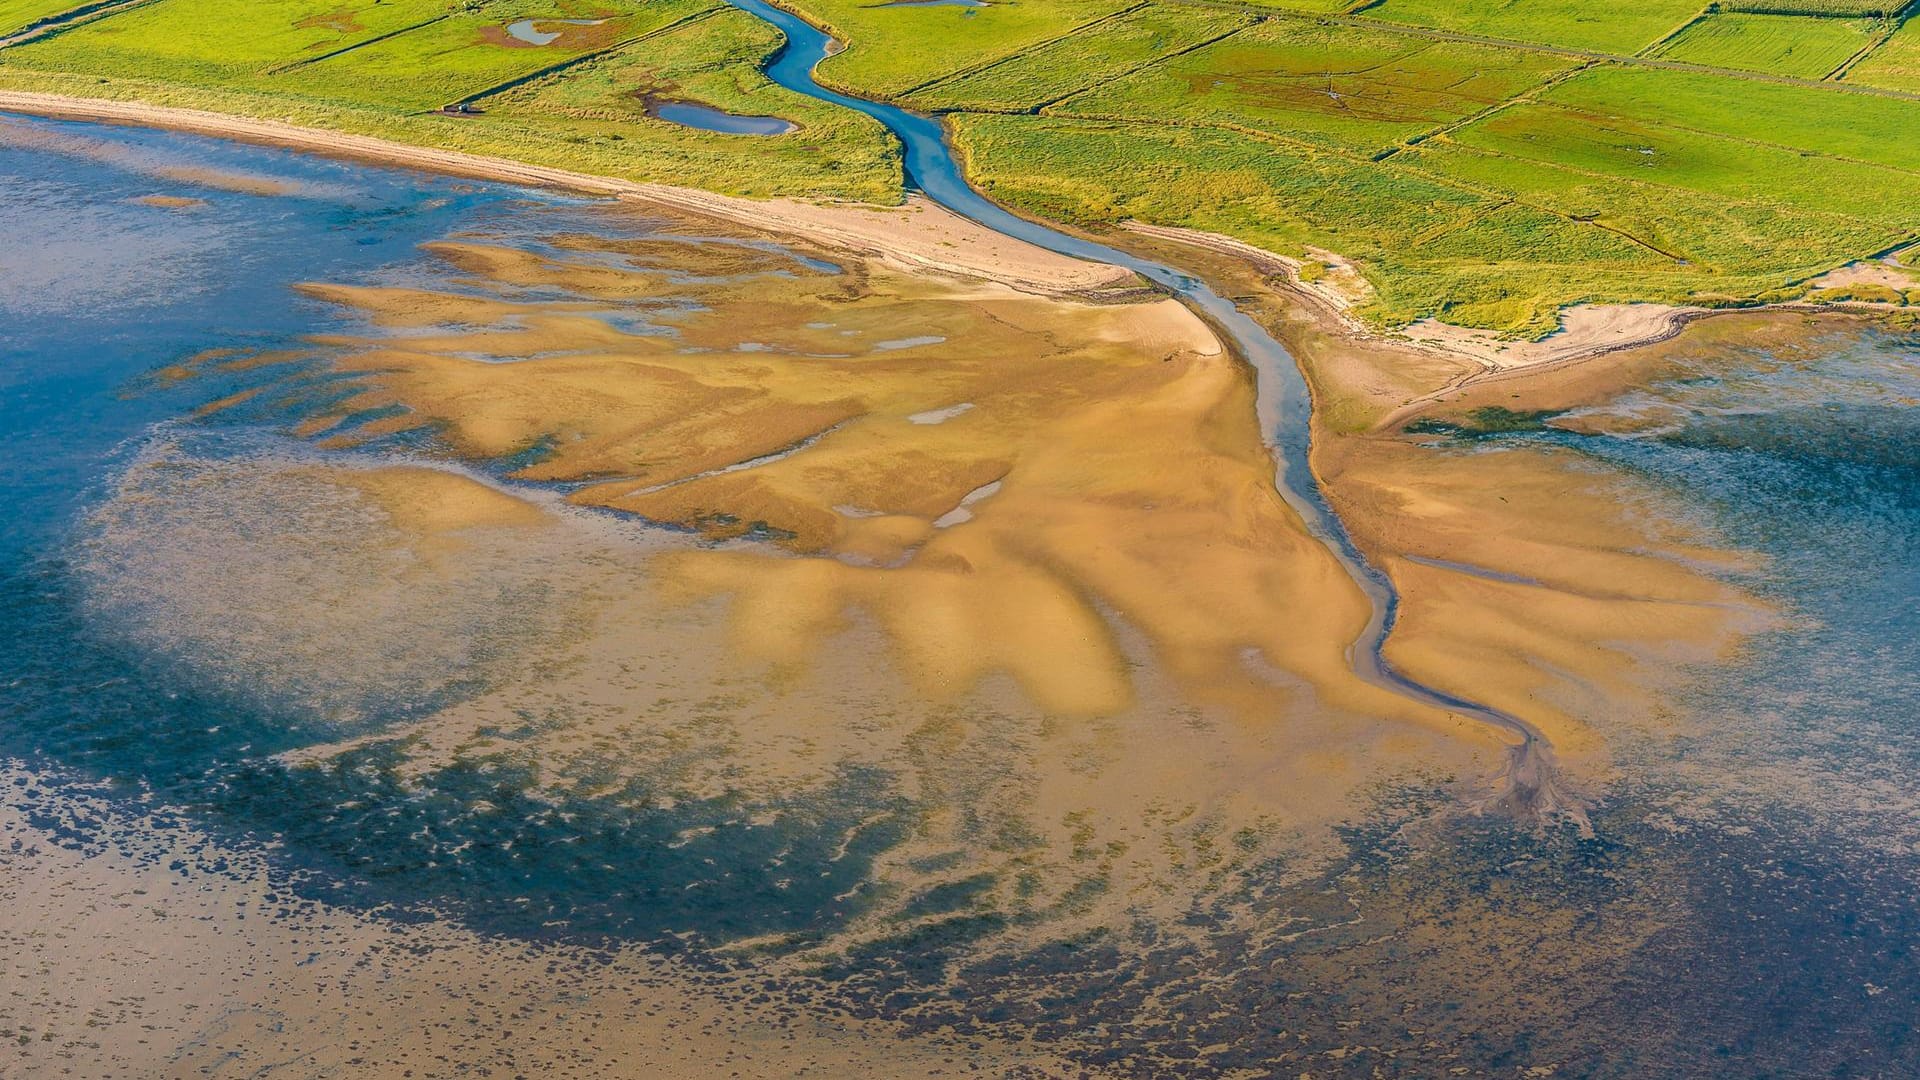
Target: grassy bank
1484 161
385 68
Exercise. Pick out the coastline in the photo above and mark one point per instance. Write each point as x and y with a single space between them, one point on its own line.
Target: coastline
1587 331
918 236
921 236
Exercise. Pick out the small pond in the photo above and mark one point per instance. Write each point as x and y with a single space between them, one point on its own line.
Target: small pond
708 118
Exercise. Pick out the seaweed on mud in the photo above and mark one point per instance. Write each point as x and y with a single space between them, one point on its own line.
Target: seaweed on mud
1486 422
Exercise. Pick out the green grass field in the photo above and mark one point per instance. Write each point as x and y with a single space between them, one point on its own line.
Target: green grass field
1865 9
1798 45
1431 246
1623 28
1309 7
297 59
894 50
1896 64
1081 61
1801 118
15 14
714 61
1488 183
224 41
408 55
456 57
1344 86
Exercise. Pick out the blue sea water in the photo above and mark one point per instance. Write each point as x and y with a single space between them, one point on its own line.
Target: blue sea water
101 291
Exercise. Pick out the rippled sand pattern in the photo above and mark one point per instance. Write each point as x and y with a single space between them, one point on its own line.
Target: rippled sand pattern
1133 493
1054 662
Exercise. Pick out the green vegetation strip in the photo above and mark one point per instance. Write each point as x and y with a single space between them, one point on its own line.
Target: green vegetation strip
1486 161
1796 45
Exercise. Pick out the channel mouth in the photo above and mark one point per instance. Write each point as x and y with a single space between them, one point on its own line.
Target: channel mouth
1530 785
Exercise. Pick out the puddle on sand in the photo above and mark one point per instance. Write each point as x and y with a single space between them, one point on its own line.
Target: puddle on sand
908 342
941 416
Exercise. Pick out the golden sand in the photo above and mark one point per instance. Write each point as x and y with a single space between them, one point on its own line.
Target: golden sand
1537 583
170 202
1022 555
432 502
1000 479
917 237
1531 579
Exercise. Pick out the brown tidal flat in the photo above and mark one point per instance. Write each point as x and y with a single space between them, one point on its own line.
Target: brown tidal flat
1001 578
1009 485
1531 579
118 966
1002 480
1539 584
1021 553
171 202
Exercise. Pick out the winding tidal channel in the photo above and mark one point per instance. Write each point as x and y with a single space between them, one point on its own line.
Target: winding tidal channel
1530 781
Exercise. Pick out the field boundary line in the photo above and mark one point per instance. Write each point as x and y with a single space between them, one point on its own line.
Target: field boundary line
61 21
344 49
975 69
575 61
1526 95
1558 50
1886 34
1142 66
1698 17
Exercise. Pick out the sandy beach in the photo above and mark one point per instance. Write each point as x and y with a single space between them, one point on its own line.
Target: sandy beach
916 237
922 237
1586 330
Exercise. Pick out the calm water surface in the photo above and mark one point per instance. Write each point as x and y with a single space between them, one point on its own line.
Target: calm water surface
707 118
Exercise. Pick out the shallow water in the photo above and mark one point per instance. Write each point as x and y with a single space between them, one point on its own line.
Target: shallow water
525 30
707 118
1532 788
364 719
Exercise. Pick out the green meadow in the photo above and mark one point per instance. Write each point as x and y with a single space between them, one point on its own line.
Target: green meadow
408 55
1076 63
1601 25
893 50
16 14
1347 86
1488 161
223 42
714 61
1896 64
1776 44
385 67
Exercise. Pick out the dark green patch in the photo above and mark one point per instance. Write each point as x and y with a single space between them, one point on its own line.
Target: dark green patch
1486 422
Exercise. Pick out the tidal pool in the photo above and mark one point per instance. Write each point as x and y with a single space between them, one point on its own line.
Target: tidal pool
708 118
528 30
854 698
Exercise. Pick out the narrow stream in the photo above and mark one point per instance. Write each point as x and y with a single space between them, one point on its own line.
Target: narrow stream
1285 402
